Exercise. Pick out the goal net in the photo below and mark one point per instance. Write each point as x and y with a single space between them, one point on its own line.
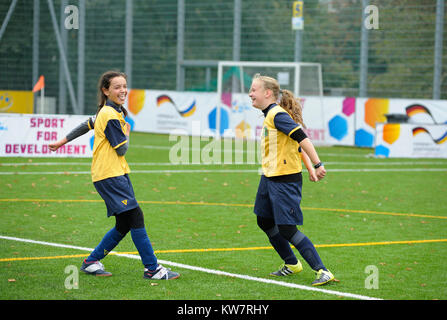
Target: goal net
233 84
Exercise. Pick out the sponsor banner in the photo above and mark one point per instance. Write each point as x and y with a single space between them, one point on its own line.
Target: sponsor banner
370 111
403 140
171 111
345 121
16 101
338 117
244 121
196 113
23 135
314 120
193 113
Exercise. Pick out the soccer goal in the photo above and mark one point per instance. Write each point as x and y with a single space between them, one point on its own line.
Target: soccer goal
233 84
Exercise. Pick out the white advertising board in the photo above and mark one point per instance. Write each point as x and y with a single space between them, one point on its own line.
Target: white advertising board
28 135
403 140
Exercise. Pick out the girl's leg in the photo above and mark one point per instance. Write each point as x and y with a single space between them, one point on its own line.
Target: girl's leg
107 244
135 220
304 246
152 270
91 265
279 243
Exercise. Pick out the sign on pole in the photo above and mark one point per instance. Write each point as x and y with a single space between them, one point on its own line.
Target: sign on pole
297 15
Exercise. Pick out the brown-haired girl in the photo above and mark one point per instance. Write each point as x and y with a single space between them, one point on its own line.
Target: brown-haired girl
110 178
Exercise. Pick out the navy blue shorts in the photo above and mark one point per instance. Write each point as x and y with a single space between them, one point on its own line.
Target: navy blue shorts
117 193
279 201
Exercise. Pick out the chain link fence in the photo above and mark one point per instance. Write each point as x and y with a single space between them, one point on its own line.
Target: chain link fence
175 44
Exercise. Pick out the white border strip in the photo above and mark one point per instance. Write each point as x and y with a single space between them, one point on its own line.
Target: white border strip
200 269
155 164
225 171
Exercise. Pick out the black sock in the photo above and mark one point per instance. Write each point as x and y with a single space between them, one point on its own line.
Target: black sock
307 250
282 246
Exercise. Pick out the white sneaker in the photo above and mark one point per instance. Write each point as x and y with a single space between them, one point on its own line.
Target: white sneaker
161 273
95 268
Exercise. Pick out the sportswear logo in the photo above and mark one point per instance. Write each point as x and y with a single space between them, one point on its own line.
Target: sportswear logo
106 252
124 202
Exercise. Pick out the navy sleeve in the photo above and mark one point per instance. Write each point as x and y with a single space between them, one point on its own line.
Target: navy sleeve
91 122
114 133
284 123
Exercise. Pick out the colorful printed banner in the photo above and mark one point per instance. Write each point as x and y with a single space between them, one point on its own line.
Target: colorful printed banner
345 121
403 140
16 101
339 120
167 112
372 110
195 113
30 135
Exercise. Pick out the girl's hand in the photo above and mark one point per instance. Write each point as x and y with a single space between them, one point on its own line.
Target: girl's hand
320 172
313 176
56 145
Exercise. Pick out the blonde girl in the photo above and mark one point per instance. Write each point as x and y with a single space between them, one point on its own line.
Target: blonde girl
278 198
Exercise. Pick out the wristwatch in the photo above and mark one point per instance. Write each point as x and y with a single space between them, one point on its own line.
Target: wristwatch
319 164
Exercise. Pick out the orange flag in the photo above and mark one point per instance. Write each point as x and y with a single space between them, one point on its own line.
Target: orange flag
40 84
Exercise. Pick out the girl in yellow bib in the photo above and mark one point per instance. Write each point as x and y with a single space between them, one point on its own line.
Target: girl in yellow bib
284 146
110 178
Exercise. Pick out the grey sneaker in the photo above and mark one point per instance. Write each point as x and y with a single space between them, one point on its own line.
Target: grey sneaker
95 268
161 273
323 277
288 269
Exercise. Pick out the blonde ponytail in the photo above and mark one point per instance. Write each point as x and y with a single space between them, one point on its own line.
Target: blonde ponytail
293 106
286 98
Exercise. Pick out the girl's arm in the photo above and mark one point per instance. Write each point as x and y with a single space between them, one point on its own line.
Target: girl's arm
309 148
310 168
80 130
121 150
56 145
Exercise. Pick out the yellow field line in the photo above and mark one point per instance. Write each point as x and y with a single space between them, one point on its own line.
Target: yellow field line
335 245
45 258
377 212
201 203
382 243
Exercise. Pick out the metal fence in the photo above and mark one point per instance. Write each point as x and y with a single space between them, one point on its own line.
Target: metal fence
175 44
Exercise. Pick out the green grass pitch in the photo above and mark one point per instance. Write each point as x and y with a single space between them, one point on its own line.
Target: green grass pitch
378 224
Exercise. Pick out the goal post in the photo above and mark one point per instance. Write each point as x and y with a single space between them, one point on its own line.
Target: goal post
234 80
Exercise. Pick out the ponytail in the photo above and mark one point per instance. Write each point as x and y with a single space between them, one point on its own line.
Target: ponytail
293 106
286 98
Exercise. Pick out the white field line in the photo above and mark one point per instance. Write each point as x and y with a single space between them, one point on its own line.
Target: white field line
205 270
149 164
223 171
256 145
198 149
